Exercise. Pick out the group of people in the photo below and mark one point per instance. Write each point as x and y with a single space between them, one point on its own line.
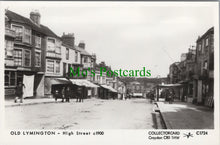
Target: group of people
19 92
66 93
168 94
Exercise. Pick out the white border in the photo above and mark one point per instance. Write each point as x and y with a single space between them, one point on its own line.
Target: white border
116 137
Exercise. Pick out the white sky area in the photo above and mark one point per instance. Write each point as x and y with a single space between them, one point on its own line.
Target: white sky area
128 35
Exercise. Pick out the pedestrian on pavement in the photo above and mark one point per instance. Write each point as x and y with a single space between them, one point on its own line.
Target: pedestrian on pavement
68 94
63 94
82 94
78 93
171 96
152 97
56 94
19 92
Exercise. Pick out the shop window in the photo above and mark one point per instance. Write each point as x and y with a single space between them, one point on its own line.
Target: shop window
10 78
7 78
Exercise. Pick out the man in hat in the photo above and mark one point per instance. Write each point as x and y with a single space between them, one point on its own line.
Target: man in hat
19 92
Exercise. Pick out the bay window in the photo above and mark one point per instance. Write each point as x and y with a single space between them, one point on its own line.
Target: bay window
50 66
18 32
37 59
27 58
53 66
18 57
9 46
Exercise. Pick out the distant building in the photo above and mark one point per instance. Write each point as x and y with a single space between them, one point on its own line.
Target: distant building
186 67
174 73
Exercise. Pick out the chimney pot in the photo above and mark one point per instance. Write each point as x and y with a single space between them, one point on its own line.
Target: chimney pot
68 39
35 17
82 44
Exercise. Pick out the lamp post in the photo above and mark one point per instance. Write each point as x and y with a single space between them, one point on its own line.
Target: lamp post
157 89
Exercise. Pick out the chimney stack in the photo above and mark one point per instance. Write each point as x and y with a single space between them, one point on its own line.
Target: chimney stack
82 44
68 39
35 17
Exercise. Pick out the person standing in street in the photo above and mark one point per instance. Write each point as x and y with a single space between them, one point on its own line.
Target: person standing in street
63 94
68 94
82 94
78 93
19 92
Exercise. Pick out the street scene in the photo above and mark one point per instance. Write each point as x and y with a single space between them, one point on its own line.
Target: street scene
114 68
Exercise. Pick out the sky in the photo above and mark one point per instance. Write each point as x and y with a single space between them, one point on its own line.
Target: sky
127 35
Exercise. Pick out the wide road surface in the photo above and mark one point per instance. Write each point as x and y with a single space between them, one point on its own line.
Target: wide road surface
91 114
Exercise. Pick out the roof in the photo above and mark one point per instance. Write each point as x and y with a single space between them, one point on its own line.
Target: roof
14 17
82 51
211 30
109 88
83 82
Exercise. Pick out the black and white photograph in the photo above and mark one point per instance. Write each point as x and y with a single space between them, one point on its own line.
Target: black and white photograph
109 65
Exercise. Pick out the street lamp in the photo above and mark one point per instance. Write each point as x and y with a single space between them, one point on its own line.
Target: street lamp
157 89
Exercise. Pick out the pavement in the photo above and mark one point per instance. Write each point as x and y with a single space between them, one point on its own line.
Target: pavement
182 115
29 101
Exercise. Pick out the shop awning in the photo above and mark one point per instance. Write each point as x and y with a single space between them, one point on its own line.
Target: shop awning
170 85
82 82
54 81
109 88
57 81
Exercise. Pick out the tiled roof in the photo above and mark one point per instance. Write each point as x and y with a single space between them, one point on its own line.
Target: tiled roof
82 51
20 19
